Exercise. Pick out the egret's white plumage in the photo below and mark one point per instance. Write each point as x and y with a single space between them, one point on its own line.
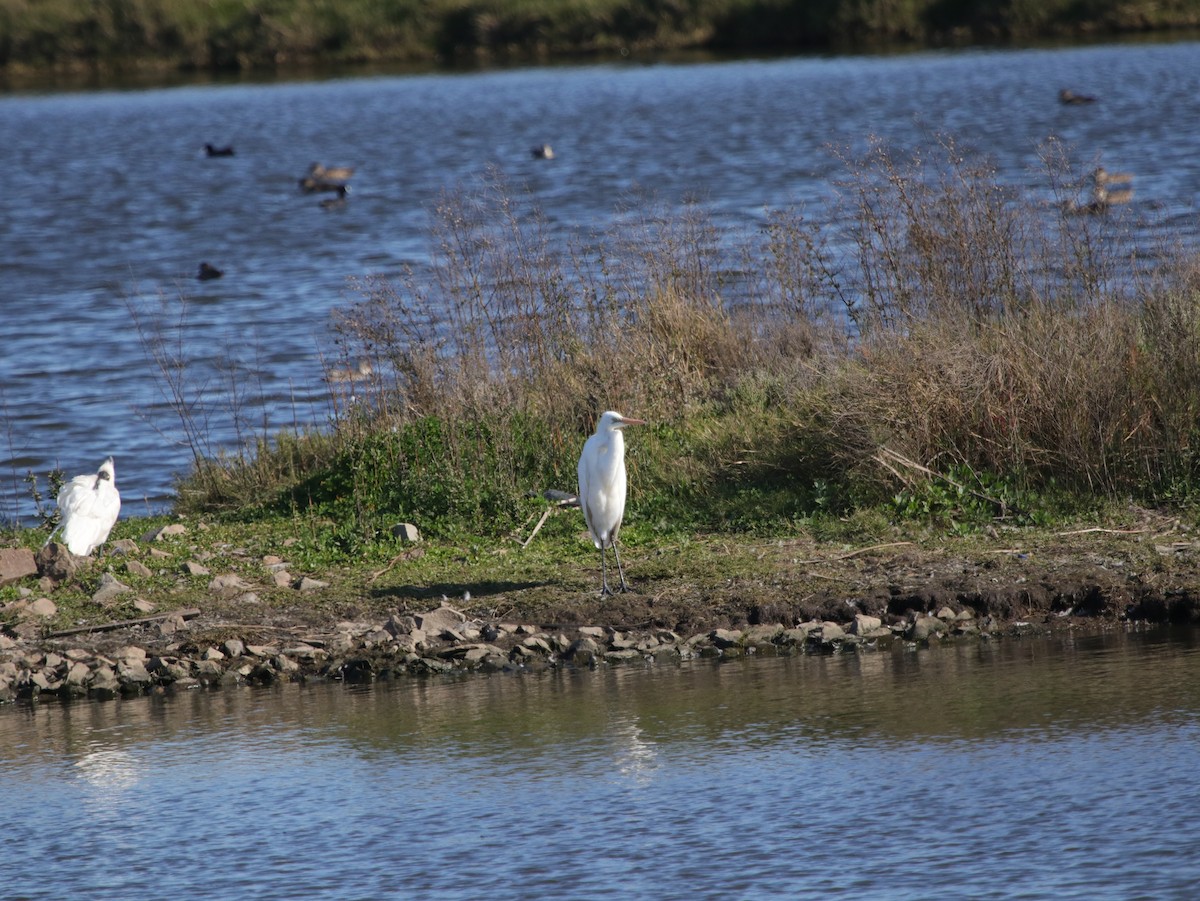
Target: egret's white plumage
602 487
89 505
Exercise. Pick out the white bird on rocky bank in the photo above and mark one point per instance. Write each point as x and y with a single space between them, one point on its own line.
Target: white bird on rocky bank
89 505
602 487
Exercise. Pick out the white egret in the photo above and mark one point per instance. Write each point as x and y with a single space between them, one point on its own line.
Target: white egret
89 505
602 487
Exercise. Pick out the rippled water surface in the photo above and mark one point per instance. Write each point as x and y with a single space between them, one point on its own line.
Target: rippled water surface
1017 769
110 206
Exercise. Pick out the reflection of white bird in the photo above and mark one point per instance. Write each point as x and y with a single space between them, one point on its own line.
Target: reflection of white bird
89 505
602 487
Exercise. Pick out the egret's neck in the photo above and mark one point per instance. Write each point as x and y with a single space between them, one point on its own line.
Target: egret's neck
616 443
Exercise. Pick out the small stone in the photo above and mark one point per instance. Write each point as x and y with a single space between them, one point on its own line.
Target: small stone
209 669
762 634
234 647
27 631
444 617
725 638
56 563
110 589
583 651
133 672
271 560
864 624
306 584
104 681
925 627
165 532
400 625
304 652
43 607
621 656
537 643
831 631
192 568
143 606
282 578
228 583
171 625
136 568
16 563
123 546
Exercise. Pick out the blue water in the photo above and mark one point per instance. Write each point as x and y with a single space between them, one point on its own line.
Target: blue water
1020 769
110 206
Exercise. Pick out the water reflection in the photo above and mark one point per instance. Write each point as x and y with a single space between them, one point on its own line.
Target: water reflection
983 770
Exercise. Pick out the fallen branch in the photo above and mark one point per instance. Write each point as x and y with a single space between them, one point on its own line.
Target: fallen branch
413 553
541 522
1110 531
558 500
189 613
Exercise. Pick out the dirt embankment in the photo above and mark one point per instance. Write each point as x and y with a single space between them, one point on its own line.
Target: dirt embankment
800 598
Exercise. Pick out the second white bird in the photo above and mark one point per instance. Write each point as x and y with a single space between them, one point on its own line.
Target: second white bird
89 505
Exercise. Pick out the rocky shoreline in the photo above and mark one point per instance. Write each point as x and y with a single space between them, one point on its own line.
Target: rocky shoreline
879 598
160 656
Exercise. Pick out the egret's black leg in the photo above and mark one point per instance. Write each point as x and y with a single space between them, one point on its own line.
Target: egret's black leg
621 571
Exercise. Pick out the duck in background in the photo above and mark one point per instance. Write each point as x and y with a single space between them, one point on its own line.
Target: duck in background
358 374
208 272
1070 98
330 173
325 178
210 150
1109 189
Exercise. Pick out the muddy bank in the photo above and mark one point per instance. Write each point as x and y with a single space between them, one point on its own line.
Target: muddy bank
186 605
804 600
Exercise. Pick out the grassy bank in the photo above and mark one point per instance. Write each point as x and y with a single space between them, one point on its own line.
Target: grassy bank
957 374
955 355
113 36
